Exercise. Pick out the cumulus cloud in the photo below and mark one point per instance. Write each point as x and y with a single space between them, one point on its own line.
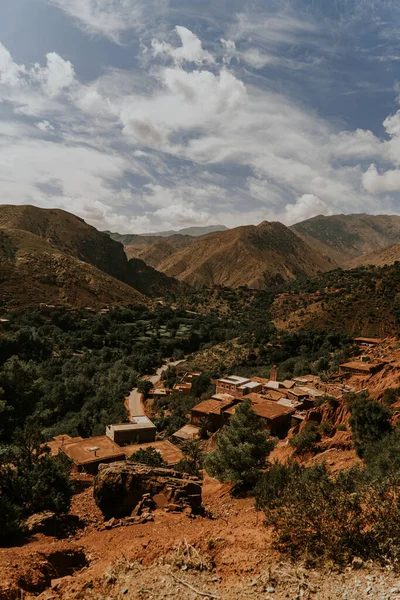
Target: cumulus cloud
305 207
189 140
187 101
58 74
374 183
10 72
191 51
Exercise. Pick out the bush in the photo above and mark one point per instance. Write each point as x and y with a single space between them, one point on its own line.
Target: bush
327 428
242 448
305 440
369 422
334 518
36 482
148 456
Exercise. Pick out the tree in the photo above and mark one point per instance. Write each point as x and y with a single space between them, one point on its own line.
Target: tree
144 386
200 385
193 461
148 456
34 483
369 421
242 448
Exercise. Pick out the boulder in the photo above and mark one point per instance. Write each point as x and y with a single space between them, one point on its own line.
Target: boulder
120 487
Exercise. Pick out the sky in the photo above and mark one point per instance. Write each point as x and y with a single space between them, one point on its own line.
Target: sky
147 115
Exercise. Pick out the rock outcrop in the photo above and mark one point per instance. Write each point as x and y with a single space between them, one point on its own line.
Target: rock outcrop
120 487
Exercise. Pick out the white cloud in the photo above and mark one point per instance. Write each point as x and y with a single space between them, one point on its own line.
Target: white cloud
45 126
58 75
10 72
374 183
112 17
191 51
306 207
187 101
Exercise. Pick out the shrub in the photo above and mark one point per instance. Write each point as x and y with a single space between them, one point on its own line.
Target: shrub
193 461
242 448
369 422
305 440
334 518
391 395
148 456
327 428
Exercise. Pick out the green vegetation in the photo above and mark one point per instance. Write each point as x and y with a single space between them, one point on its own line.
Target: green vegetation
369 422
148 456
306 440
194 458
242 449
31 481
68 372
336 518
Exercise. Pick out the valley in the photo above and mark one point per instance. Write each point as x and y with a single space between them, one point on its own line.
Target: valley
237 374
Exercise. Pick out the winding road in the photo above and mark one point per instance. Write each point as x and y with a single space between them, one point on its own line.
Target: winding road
135 404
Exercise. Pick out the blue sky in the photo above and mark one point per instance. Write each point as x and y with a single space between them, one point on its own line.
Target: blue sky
145 115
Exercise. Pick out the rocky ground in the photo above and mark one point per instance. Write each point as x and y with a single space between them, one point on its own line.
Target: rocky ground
227 554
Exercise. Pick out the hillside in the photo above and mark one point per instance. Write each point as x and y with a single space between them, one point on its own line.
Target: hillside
363 301
33 272
388 256
345 237
51 233
249 255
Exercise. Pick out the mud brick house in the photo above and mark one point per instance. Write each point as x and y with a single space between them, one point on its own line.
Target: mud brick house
88 454
139 431
182 388
275 417
212 410
187 432
237 386
360 368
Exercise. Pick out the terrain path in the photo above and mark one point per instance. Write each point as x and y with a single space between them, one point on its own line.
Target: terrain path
135 404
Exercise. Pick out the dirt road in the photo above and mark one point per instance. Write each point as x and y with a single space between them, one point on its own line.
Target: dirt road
135 403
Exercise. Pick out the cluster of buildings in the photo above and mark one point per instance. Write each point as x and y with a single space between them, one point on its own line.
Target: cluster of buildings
183 386
280 405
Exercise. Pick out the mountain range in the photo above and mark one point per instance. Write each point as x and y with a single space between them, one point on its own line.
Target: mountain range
252 255
52 256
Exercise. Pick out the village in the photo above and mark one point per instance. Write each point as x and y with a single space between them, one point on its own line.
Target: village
282 407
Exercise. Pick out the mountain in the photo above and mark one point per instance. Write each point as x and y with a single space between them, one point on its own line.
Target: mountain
250 255
60 242
345 237
32 271
387 256
132 238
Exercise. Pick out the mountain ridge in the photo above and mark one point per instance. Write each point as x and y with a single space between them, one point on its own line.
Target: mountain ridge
68 249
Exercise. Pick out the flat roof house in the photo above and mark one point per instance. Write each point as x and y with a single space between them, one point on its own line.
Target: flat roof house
187 432
233 384
88 454
182 388
276 418
213 410
139 431
360 368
